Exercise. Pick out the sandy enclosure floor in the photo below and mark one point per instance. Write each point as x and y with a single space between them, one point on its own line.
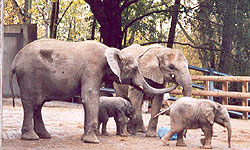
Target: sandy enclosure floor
65 123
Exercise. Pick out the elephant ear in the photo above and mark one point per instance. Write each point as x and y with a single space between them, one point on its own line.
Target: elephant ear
207 109
149 66
112 55
210 117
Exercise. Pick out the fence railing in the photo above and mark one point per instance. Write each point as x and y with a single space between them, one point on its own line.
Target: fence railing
224 93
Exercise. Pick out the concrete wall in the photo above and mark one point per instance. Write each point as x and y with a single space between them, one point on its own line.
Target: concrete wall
15 38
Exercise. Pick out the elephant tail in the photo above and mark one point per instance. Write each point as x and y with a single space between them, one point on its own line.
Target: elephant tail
166 111
12 72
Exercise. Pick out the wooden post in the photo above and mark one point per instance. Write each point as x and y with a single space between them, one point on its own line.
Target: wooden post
206 88
1 68
225 89
211 83
245 100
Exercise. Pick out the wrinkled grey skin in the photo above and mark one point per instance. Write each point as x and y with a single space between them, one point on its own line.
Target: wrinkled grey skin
116 107
190 113
49 69
160 65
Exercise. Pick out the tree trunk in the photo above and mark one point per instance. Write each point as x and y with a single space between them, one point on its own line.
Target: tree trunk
111 29
27 7
173 23
107 13
54 18
227 40
93 29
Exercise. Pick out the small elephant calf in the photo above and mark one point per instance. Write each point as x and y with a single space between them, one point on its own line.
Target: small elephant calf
116 107
190 113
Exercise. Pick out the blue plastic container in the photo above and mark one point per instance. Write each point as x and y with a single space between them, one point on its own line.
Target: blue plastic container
163 131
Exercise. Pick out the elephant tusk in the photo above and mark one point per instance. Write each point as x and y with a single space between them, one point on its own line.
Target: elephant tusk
141 87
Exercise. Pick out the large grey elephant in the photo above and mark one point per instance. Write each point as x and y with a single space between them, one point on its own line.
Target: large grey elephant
49 69
159 65
190 113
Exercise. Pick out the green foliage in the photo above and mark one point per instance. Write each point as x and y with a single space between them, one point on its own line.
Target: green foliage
75 25
149 28
215 22
10 16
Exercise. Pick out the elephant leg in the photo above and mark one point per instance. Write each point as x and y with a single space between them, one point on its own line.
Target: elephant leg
90 95
136 122
98 129
104 128
28 132
165 139
39 127
120 125
208 133
155 108
180 140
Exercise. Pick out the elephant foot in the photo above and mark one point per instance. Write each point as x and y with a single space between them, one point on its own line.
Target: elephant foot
151 133
44 135
202 141
165 142
181 144
105 133
97 133
29 136
91 138
207 147
141 128
122 134
132 129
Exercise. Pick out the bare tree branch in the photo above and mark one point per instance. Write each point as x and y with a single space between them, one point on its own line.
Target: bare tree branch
186 44
43 15
64 12
147 14
19 11
127 4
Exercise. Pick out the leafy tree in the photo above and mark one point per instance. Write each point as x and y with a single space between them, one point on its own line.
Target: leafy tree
222 32
23 13
118 17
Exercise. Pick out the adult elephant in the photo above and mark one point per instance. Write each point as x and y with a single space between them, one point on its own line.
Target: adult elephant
49 69
159 65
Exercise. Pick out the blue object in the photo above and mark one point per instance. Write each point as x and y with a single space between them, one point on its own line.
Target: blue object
163 131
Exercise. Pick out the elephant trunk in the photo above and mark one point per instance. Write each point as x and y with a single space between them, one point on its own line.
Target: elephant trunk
187 91
141 84
184 80
229 131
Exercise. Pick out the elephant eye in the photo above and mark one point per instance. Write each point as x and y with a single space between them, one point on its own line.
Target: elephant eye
134 70
171 67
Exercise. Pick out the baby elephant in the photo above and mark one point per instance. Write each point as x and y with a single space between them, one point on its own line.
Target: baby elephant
190 113
116 107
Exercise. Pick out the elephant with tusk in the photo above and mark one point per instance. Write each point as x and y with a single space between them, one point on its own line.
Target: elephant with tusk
159 65
50 69
190 113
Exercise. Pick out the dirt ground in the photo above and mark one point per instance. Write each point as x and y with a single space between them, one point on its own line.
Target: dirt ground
65 123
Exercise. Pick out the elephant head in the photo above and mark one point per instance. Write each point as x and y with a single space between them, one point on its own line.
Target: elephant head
129 110
217 113
125 66
223 119
163 65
